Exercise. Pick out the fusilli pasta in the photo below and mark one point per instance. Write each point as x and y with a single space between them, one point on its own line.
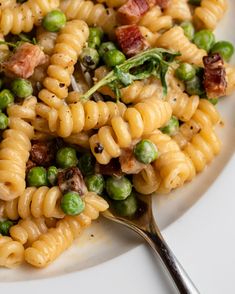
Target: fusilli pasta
179 10
14 149
171 164
36 202
205 115
209 13
77 117
23 17
183 105
147 181
11 252
176 40
203 148
68 46
28 230
92 14
155 21
52 244
139 120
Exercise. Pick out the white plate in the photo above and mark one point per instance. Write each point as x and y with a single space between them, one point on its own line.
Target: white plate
203 238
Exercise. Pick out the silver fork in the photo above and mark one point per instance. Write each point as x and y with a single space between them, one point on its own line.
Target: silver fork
144 224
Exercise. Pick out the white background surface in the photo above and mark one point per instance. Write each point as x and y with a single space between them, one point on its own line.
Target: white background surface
203 239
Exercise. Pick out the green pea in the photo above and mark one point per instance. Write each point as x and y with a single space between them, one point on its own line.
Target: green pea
95 37
224 48
105 47
118 188
126 207
185 72
3 121
95 183
195 86
5 227
145 151
204 39
54 21
86 164
114 57
213 101
189 29
172 127
89 58
37 177
52 174
195 2
22 88
72 203
6 98
66 157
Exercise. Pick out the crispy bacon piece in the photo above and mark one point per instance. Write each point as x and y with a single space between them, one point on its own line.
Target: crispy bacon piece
113 168
43 153
131 40
23 62
132 10
129 164
71 179
214 76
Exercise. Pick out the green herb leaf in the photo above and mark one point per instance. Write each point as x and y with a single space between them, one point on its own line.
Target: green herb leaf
152 62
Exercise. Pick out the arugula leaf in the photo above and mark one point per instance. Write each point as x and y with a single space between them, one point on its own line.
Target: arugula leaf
152 62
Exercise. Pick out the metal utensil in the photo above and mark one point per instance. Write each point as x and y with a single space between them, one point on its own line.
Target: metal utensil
144 224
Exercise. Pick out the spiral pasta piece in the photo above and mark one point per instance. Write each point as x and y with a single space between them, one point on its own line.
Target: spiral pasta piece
50 245
92 14
23 17
35 202
14 150
205 116
11 252
147 181
176 40
183 105
209 13
155 21
203 147
28 230
172 164
137 121
179 10
78 117
69 44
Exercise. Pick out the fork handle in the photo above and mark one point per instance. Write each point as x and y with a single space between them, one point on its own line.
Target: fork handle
175 269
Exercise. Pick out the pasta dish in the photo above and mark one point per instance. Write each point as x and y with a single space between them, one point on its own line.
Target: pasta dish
99 101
